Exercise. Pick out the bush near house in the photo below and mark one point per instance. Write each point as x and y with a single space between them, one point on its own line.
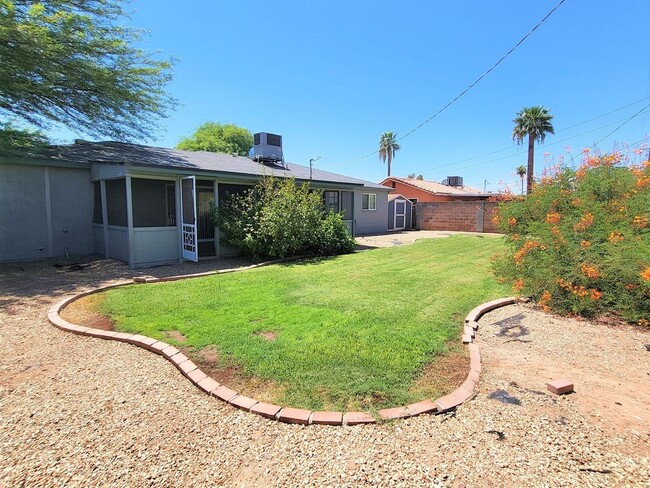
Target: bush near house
580 242
278 219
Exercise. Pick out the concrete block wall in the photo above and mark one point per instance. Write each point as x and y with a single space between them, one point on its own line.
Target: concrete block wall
467 216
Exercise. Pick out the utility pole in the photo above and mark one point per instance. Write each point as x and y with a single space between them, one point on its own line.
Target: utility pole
311 165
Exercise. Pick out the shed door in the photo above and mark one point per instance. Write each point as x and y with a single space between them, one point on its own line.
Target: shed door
188 218
400 214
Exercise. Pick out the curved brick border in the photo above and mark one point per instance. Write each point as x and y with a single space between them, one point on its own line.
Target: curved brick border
276 412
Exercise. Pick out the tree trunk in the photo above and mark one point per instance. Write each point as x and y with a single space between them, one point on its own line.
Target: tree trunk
531 157
388 167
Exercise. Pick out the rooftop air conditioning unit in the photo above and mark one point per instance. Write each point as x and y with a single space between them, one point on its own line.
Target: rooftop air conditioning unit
267 148
455 181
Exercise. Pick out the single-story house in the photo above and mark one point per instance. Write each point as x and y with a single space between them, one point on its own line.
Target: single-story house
420 191
400 212
147 205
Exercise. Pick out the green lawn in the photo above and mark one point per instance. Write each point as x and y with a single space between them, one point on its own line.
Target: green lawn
347 328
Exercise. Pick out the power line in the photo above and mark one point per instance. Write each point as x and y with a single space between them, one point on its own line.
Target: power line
461 94
557 132
629 119
625 121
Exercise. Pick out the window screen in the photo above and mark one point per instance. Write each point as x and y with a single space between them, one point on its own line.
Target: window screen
331 201
153 203
116 202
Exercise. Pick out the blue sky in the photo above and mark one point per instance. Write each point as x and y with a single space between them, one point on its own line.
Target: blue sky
330 77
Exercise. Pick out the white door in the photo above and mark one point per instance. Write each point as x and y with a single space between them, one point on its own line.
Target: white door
400 214
188 218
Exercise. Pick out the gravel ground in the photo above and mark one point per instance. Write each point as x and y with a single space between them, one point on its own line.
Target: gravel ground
393 239
72 414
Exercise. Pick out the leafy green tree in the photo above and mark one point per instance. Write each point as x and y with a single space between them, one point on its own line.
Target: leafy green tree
216 137
521 172
388 146
71 62
278 219
534 122
21 142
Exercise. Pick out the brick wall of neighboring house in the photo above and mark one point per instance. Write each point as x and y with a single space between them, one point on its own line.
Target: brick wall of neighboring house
472 216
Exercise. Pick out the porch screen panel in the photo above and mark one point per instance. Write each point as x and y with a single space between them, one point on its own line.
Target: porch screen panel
346 204
188 202
331 200
153 203
98 217
116 202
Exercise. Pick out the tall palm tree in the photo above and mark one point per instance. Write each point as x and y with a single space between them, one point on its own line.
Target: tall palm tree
534 122
387 148
521 172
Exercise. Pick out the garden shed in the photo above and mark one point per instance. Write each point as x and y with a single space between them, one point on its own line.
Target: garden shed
400 212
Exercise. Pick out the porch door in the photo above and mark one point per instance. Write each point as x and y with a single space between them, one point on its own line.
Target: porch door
347 207
188 218
400 214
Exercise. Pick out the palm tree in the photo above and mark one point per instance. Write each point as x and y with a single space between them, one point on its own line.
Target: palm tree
521 172
387 148
534 122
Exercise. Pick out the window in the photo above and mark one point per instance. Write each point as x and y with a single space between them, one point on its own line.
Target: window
331 201
369 201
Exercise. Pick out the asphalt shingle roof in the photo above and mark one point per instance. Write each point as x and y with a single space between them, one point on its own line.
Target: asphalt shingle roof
139 155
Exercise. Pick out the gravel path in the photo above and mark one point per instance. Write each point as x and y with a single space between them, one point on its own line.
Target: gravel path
71 415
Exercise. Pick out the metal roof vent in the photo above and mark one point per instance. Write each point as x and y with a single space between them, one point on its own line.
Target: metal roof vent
455 181
267 148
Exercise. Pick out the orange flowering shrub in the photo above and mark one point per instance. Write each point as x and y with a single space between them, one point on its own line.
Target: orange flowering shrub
579 243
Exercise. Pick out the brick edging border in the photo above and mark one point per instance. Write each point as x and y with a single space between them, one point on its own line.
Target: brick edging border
277 412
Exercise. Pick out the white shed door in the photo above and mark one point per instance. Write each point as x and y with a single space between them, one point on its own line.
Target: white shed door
400 214
188 218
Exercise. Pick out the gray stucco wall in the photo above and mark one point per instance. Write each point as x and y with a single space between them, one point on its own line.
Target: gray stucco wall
24 229
371 221
72 203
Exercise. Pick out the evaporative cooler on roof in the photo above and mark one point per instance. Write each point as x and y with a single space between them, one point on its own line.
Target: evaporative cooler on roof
267 148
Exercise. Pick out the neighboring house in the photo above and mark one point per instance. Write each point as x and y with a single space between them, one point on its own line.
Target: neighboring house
400 212
419 191
446 206
147 205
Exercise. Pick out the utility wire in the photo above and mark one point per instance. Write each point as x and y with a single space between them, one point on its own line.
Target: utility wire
630 118
557 132
519 43
625 121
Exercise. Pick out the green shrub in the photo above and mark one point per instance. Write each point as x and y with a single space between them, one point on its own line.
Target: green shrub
277 219
579 243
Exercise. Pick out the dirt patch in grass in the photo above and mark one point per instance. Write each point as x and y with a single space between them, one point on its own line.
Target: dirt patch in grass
210 362
268 335
444 374
175 336
85 311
